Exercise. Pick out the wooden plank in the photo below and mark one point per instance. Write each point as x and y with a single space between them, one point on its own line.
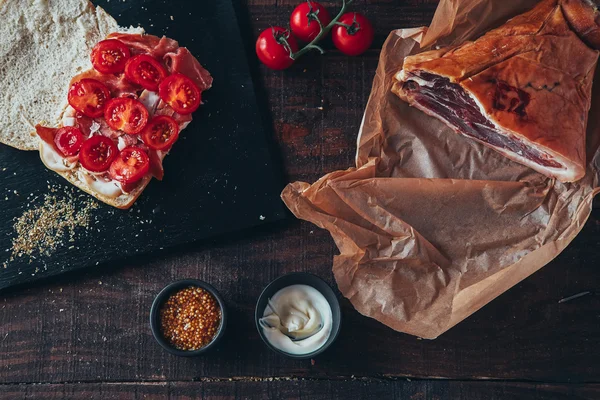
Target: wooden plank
93 326
301 389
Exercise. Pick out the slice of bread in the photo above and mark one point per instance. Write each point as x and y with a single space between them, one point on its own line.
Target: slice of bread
43 44
124 201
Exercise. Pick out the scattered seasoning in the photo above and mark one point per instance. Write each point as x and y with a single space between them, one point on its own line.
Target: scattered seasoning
42 229
190 318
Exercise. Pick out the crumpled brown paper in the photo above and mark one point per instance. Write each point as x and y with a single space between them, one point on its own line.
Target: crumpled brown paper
430 225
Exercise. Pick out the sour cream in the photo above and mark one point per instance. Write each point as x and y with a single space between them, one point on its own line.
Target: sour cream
298 320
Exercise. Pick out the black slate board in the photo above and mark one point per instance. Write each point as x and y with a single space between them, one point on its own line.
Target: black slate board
220 176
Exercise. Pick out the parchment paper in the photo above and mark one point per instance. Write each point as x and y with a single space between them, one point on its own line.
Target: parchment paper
430 225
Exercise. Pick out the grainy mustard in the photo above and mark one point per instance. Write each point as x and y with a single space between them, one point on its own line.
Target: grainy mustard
190 318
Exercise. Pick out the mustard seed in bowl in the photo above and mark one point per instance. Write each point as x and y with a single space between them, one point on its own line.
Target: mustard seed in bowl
190 318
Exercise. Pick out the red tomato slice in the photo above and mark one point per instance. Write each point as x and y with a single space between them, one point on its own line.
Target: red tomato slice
181 93
161 133
97 153
126 114
130 166
89 97
110 56
68 140
145 71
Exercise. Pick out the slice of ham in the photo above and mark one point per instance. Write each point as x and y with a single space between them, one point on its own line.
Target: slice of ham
164 109
47 135
176 59
184 62
147 44
156 166
85 124
106 130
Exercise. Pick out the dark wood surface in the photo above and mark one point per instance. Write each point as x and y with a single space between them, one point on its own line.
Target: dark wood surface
86 335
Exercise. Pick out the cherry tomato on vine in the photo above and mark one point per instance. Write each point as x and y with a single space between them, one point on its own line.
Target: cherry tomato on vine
355 36
274 46
304 20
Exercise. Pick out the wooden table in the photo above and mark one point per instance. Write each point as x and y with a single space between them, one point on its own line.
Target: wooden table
86 335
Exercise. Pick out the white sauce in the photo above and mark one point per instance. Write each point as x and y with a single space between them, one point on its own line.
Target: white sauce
107 188
53 160
300 311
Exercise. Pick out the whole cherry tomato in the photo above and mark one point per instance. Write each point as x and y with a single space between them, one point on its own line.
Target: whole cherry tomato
304 22
355 36
274 46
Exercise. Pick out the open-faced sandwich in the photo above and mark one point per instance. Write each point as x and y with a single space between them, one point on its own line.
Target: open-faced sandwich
120 111
523 89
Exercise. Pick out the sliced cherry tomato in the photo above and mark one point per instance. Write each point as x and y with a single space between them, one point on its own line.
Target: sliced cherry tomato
304 22
145 71
68 140
355 36
130 166
97 153
89 97
110 56
126 114
274 46
161 133
181 93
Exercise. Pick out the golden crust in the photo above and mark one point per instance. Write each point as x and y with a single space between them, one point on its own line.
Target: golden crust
537 54
584 18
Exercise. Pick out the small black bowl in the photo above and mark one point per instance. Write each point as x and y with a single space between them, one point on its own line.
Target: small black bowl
300 278
162 297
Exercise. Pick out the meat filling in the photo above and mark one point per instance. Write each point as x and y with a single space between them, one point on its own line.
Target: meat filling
450 101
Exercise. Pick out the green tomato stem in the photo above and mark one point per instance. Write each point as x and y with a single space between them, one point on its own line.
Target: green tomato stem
324 31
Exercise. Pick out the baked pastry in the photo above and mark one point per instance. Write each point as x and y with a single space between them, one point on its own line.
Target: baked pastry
523 89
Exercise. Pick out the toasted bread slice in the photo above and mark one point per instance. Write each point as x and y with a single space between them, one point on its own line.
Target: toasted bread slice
43 44
124 201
